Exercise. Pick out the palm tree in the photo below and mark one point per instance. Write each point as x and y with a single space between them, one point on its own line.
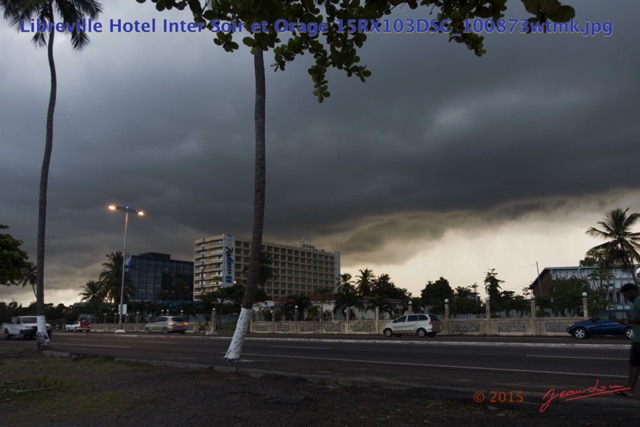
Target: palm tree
235 347
621 248
345 283
364 282
92 293
383 304
30 277
347 296
266 271
111 278
70 11
493 289
299 301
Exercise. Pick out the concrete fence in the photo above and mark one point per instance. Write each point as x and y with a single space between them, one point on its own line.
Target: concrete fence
514 326
545 326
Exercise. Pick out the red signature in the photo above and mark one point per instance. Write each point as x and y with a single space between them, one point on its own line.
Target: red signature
579 393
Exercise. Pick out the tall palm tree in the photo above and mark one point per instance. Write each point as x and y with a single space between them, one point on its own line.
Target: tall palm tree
622 245
70 11
111 278
235 347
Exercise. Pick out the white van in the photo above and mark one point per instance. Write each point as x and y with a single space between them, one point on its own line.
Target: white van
419 324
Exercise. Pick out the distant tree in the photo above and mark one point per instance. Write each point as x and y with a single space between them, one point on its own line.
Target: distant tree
514 304
493 290
299 300
266 272
30 277
383 286
622 245
364 282
162 295
111 279
383 304
13 260
345 282
347 296
261 295
180 288
234 293
463 301
92 292
7 311
434 294
418 304
566 295
322 295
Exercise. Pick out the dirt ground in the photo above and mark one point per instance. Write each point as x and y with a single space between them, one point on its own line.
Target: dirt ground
38 390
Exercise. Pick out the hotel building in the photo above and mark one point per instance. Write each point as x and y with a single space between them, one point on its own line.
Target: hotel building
223 260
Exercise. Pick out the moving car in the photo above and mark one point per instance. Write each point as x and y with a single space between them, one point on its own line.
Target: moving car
79 326
603 323
23 327
418 324
167 324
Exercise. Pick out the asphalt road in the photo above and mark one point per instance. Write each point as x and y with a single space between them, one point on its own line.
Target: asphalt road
514 366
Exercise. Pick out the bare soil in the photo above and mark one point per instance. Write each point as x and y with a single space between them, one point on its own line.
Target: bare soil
37 390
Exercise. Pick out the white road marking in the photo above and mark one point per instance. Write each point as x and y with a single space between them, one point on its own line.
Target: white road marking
307 348
578 357
89 345
428 365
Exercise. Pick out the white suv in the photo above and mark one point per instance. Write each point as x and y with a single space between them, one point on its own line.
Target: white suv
419 324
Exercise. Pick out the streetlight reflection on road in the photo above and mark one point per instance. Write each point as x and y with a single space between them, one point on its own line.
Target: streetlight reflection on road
127 210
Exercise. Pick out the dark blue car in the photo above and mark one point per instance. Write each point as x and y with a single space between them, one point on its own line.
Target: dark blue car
603 323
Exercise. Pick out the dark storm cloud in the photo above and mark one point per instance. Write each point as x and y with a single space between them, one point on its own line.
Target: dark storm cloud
436 138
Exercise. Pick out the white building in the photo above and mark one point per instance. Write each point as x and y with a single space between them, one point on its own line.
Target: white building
541 286
223 260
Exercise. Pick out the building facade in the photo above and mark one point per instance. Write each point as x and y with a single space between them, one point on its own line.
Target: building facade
617 277
157 277
223 260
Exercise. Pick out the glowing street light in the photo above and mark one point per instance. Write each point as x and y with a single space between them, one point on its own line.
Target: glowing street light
127 210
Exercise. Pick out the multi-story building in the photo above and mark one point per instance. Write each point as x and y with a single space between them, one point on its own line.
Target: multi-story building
157 277
611 280
223 260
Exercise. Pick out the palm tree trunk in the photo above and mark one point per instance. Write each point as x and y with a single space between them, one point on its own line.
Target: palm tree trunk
42 337
235 348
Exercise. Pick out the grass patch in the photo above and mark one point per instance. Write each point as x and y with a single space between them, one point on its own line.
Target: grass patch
36 389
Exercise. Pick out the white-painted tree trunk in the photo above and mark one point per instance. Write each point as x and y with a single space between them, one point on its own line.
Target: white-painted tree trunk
42 337
235 348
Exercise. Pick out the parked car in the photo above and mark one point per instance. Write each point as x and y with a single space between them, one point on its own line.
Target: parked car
166 324
603 323
79 326
419 324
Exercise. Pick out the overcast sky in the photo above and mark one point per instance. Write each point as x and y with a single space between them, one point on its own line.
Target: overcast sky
442 164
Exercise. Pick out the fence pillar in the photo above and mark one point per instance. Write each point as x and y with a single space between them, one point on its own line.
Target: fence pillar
213 325
585 307
446 317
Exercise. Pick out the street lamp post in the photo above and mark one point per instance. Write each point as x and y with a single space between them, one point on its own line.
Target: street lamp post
127 210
